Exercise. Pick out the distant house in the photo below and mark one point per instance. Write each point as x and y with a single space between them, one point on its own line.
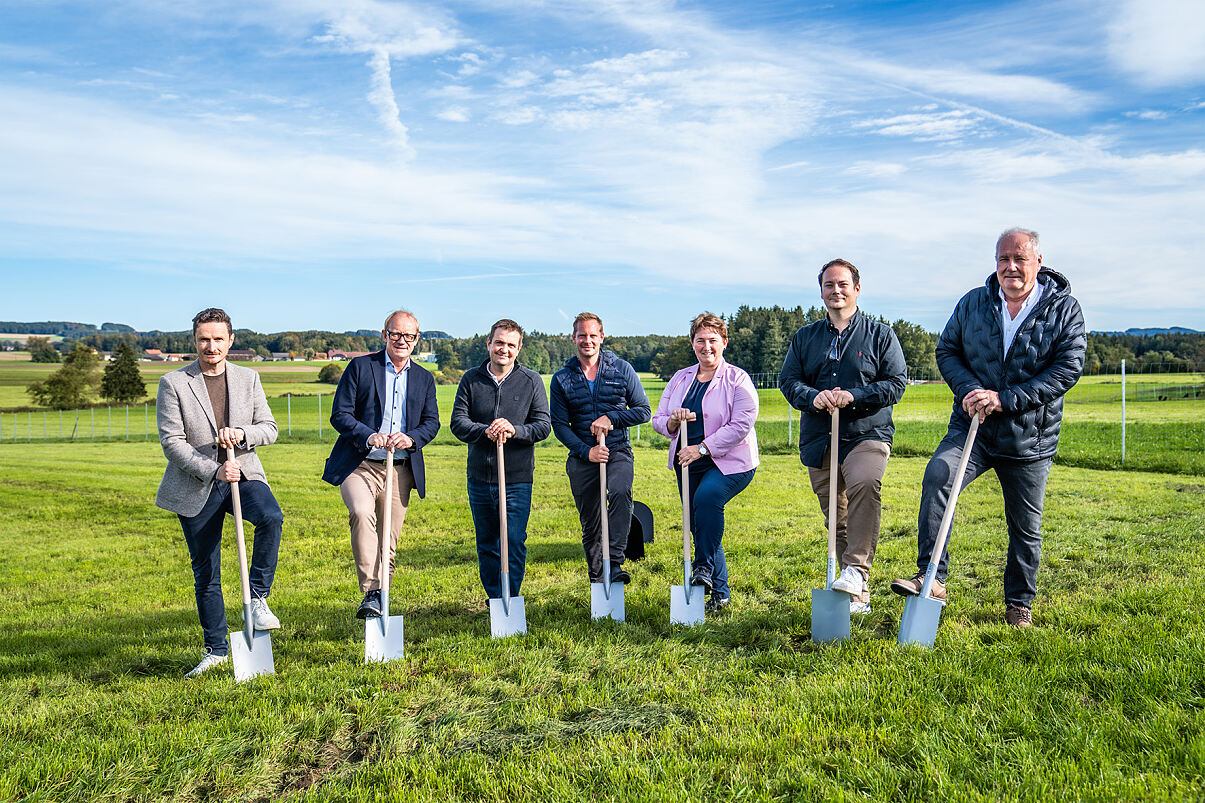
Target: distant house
153 355
246 355
281 356
426 356
347 355
321 356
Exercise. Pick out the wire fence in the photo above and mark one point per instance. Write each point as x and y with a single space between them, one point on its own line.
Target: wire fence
1152 421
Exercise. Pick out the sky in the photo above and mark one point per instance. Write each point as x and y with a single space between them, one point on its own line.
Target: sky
314 164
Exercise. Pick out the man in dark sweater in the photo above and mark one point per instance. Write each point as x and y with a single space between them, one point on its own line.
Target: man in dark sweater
501 400
1010 352
594 394
850 363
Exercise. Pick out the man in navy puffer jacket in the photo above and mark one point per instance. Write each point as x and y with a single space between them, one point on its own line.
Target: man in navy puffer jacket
598 393
1010 351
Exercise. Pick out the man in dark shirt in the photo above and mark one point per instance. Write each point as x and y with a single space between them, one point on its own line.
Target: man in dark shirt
501 400
850 363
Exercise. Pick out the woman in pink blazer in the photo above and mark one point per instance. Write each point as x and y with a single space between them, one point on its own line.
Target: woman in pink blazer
721 455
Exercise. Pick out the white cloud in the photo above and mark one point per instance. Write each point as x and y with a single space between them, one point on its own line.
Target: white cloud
1160 42
932 127
1147 114
455 114
875 169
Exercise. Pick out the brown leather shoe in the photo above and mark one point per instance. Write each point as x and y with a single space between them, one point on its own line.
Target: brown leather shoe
1017 616
911 586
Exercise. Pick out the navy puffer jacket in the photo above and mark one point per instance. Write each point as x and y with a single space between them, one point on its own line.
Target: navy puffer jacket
1046 358
617 394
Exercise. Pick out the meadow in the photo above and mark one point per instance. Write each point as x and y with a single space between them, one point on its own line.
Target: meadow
1165 415
1103 699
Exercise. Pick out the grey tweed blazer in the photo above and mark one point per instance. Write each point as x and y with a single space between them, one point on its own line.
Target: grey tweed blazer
187 429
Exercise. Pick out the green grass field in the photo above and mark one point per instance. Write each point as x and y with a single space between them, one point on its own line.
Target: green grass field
1104 699
1165 416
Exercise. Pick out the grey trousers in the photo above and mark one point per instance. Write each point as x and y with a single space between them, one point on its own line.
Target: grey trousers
584 482
1024 487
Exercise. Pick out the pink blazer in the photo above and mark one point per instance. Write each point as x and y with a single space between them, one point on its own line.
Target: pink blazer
729 413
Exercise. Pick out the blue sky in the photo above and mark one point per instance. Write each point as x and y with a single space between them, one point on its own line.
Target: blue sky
313 164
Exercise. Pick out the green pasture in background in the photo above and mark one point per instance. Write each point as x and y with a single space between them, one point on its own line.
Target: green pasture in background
1165 415
1103 699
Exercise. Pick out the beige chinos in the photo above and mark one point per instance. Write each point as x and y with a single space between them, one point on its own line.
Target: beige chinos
364 494
859 503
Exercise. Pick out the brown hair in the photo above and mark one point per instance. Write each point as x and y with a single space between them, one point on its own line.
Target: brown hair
586 316
706 320
506 325
212 315
844 263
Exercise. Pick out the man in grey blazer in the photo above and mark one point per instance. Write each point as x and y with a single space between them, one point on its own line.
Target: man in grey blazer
212 400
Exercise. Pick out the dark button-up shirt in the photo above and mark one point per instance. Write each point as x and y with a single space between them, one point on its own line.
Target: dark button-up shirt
870 365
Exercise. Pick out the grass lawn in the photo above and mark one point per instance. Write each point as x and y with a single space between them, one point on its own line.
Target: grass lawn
1103 699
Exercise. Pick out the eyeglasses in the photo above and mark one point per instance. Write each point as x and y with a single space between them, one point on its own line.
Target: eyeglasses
409 337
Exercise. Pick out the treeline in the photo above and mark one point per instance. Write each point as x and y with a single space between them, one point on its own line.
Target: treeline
305 344
61 328
1174 350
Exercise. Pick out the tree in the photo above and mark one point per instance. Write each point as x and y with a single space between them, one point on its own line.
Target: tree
917 344
330 373
40 350
122 382
445 355
674 357
71 386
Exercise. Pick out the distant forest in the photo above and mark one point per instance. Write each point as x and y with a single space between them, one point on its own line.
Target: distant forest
758 339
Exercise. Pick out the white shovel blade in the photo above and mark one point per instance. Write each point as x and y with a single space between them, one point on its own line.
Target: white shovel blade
382 646
503 624
252 661
920 620
601 607
684 610
830 615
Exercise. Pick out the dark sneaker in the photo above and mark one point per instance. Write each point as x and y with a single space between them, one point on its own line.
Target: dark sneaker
701 577
911 586
621 576
716 604
1017 616
370 608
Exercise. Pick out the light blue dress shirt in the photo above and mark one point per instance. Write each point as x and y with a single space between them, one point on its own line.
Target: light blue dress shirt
393 417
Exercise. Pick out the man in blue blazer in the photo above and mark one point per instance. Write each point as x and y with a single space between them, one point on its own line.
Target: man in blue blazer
383 402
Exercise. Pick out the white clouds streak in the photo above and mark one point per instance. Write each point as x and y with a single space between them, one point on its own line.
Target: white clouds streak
1160 42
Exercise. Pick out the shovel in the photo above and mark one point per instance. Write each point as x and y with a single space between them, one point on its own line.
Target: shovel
685 607
605 599
923 613
830 609
383 634
507 615
251 651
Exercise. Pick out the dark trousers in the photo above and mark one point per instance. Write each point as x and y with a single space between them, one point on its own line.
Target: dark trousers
1024 489
709 492
584 482
203 534
483 502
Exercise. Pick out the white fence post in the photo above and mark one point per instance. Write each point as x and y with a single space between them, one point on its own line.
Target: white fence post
146 421
319 415
127 422
289 402
1123 412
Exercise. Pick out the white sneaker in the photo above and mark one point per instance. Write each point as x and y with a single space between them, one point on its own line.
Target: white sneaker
850 582
208 662
858 607
261 617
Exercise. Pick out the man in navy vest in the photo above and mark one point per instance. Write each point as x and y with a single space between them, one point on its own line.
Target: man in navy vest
384 401
598 393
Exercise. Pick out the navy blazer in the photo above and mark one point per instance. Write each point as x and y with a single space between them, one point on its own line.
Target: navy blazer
358 408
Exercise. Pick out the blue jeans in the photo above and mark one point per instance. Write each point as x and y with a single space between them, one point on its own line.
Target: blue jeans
1024 489
203 534
709 492
483 502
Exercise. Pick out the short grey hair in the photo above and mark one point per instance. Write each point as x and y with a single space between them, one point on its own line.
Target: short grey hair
1030 233
404 312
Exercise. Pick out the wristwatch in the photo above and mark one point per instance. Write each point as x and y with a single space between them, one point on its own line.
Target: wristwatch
703 451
